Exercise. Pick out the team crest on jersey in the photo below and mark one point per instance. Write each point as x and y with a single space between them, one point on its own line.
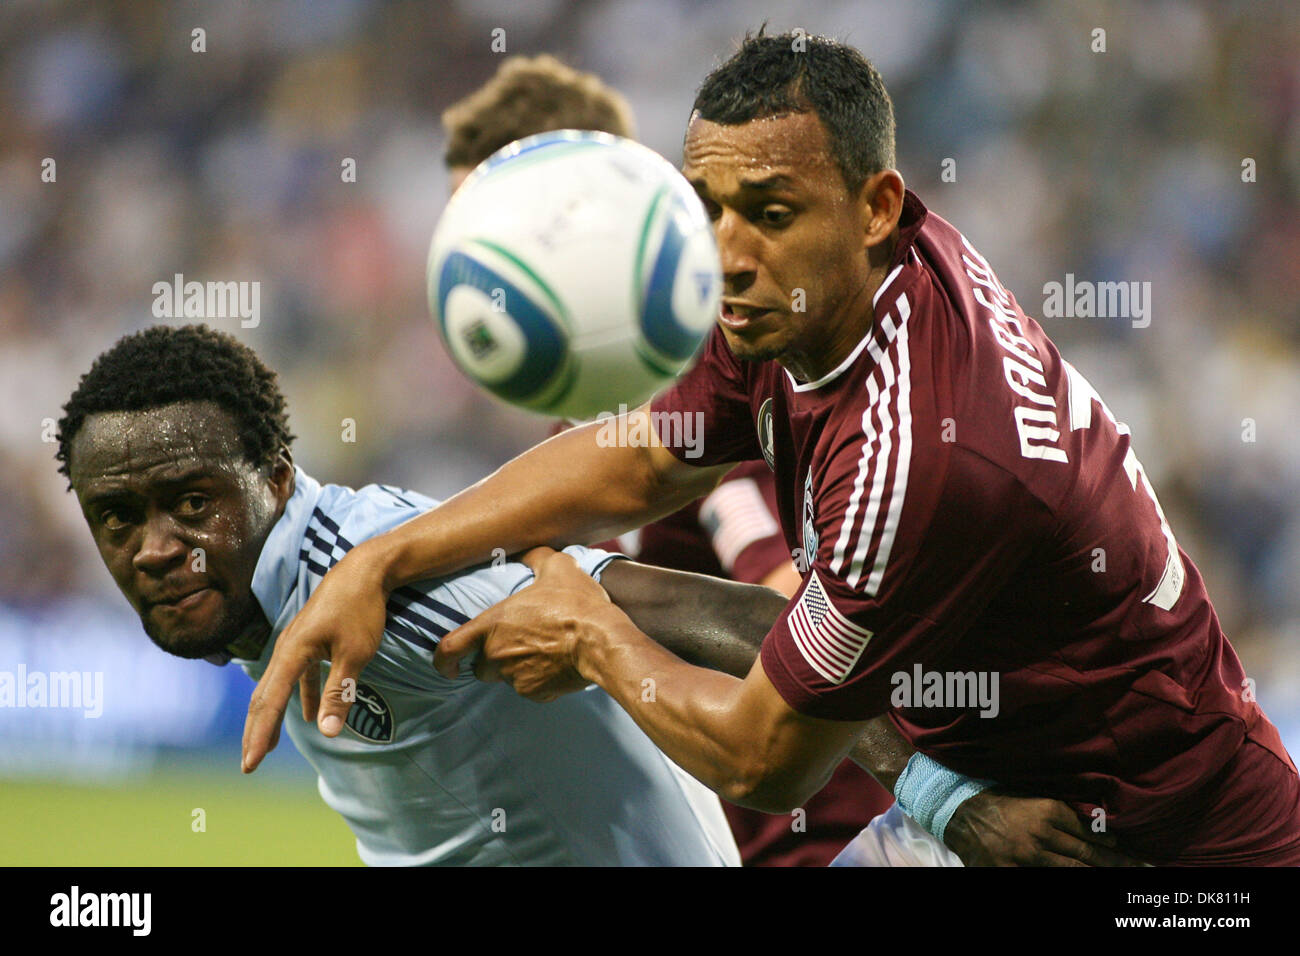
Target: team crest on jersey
370 717
810 541
767 433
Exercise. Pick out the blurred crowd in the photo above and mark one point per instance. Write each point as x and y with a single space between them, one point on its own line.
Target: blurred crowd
212 140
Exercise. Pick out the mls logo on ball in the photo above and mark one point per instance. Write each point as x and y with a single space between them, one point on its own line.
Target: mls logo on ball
479 340
370 717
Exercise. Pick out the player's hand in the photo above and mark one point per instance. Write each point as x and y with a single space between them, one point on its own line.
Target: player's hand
996 829
532 639
343 623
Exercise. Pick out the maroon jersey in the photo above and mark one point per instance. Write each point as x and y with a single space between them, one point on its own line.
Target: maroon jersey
987 559
734 533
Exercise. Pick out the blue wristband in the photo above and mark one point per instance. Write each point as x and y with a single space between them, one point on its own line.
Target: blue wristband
930 793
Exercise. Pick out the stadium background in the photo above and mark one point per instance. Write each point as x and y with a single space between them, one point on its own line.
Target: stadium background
225 165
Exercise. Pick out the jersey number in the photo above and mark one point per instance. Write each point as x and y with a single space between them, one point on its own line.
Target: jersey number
1082 395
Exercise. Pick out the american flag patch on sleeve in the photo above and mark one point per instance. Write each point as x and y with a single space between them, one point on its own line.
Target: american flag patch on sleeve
828 641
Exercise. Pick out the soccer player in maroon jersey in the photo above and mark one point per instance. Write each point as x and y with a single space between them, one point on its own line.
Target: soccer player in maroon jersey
951 478
732 533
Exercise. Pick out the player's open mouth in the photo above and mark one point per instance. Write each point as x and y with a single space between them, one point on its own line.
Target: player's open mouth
738 316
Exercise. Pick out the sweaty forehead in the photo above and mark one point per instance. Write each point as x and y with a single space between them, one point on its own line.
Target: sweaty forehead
793 144
154 442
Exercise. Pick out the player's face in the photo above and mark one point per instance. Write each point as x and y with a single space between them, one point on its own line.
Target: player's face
793 241
179 517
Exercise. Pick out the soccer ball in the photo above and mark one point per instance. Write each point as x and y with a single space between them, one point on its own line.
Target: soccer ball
574 272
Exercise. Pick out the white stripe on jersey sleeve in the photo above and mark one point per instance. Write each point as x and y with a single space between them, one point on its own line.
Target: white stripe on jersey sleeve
864 466
879 466
876 452
898 489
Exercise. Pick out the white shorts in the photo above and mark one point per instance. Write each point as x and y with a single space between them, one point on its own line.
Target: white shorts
895 839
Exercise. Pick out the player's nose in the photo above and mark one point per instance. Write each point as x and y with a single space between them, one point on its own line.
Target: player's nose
735 251
161 548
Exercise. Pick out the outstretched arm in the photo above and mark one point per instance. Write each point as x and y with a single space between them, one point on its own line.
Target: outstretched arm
572 488
721 624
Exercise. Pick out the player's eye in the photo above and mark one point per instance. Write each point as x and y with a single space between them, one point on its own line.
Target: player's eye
117 518
775 215
191 505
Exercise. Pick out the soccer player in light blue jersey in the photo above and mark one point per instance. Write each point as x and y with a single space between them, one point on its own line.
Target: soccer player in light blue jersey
176 444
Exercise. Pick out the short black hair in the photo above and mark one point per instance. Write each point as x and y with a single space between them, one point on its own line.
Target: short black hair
193 363
798 73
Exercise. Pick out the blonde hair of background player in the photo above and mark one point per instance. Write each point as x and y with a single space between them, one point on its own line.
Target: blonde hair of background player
529 95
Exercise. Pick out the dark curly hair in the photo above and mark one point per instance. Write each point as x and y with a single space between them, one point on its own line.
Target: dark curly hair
193 363
798 73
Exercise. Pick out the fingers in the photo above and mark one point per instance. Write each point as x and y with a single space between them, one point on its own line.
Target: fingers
1066 820
1090 853
552 566
536 557
1073 838
340 693
309 692
1095 855
462 641
487 671
1053 859
266 709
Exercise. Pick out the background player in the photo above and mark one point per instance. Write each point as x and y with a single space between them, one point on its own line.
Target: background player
733 532
1119 691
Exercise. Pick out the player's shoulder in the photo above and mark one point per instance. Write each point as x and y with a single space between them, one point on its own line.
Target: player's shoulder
346 501
347 516
928 441
986 380
896 398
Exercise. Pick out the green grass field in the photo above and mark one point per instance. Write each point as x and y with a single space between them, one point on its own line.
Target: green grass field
150 821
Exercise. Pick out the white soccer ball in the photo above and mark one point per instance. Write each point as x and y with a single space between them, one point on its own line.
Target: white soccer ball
574 272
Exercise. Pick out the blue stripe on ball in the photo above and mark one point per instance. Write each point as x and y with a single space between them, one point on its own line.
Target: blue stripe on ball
530 144
546 342
659 323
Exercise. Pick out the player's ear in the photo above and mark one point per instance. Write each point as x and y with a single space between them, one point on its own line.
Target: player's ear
882 206
283 475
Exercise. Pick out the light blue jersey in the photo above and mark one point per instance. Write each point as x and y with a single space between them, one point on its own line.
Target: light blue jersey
436 771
